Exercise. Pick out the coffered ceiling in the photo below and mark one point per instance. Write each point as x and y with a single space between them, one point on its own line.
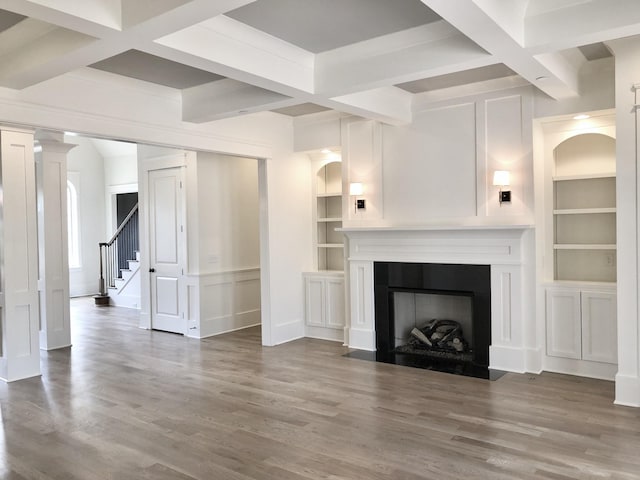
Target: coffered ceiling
375 58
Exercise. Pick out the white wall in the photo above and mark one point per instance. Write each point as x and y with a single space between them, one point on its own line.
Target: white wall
120 175
439 169
86 160
285 241
223 281
228 223
120 170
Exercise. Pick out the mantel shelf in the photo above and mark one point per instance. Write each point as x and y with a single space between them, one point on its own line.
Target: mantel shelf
420 228
334 194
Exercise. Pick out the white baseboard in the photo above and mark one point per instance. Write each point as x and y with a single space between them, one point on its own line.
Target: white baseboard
627 391
580 368
322 333
508 359
229 323
287 332
362 339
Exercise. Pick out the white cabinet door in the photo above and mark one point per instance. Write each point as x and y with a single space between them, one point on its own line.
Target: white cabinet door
314 301
564 336
334 302
599 332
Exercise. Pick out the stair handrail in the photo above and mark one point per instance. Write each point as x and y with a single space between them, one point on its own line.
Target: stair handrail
122 225
104 246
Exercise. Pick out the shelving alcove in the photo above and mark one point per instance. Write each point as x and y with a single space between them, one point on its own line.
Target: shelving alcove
325 286
579 247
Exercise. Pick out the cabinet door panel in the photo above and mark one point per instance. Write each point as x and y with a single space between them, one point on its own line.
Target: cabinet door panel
599 332
314 293
563 323
335 303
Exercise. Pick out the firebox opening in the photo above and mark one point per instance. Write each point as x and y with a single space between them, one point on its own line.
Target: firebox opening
433 324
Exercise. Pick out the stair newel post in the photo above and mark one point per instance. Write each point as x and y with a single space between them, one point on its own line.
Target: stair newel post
102 286
110 252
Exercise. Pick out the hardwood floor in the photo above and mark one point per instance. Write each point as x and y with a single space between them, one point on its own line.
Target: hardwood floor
125 403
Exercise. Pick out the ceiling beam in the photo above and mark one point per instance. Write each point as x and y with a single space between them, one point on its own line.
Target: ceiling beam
558 79
42 53
40 61
390 105
232 49
228 98
582 24
413 54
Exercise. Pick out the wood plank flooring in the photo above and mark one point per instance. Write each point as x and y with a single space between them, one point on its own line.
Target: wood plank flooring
125 403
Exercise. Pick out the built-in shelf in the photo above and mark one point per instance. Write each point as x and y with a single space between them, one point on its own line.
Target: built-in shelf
584 211
585 246
578 226
324 287
329 241
582 284
562 178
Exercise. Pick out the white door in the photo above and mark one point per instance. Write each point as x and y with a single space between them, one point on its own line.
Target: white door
166 247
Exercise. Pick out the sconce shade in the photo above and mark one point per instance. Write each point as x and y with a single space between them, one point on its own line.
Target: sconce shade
355 189
501 178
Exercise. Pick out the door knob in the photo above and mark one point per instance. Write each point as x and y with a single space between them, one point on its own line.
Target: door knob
151 270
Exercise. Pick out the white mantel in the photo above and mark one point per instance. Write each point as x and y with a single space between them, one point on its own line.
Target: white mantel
508 249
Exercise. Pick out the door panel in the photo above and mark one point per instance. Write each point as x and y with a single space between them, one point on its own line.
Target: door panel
166 249
599 327
564 330
167 296
164 219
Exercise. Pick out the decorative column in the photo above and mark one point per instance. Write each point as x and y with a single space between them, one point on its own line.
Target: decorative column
20 356
51 178
627 77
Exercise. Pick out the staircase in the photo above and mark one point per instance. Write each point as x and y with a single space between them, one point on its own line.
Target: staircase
126 291
120 266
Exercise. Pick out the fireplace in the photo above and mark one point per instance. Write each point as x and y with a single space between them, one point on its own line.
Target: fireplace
435 316
503 307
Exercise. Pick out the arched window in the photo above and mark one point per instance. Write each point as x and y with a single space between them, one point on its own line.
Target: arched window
73 225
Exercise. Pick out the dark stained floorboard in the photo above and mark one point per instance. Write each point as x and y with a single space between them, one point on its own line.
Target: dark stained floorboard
126 403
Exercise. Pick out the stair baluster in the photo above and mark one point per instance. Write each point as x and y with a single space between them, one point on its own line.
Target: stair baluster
123 244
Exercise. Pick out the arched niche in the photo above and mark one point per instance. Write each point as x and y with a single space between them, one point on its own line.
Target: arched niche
585 154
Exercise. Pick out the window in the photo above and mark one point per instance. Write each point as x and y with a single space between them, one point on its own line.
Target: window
73 223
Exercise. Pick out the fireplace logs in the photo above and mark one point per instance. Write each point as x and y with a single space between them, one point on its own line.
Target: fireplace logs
440 338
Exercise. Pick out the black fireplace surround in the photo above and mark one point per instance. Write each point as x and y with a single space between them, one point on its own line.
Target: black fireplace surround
473 281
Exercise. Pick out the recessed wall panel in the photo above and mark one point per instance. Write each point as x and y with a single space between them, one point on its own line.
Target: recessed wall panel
430 166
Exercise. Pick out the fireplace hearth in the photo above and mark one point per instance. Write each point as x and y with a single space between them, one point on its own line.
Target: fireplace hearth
433 316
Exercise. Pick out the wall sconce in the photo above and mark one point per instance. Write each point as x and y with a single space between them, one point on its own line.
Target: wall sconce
356 189
501 179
